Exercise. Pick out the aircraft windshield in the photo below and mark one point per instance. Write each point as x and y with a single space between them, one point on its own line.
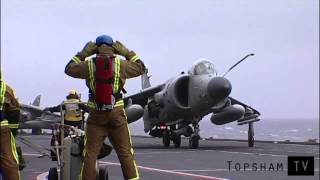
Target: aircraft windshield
202 66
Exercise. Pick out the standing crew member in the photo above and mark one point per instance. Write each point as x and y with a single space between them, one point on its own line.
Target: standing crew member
9 112
107 117
73 115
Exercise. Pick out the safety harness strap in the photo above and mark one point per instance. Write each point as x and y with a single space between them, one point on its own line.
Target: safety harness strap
93 105
108 81
2 93
116 75
116 79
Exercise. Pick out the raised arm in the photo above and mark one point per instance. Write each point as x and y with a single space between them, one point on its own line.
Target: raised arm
133 66
77 66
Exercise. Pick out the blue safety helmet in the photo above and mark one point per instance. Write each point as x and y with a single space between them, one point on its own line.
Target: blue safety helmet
104 39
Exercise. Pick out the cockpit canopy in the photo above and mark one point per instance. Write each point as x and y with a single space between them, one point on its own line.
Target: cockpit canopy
202 66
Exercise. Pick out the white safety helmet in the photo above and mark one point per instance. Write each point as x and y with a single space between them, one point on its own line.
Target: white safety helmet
73 94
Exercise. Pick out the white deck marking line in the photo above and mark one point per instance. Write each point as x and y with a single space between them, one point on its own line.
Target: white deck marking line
31 154
231 152
164 152
259 154
316 153
199 170
212 170
247 153
42 176
297 144
178 152
169 171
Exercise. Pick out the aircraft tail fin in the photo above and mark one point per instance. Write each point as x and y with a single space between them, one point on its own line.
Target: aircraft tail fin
37 101
145 80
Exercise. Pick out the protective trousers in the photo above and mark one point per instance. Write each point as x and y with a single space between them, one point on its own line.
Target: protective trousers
114 126
8 155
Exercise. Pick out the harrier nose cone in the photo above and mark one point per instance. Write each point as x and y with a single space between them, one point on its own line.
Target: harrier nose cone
219 88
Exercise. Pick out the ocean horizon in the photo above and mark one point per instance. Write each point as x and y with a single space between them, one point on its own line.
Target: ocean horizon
268 130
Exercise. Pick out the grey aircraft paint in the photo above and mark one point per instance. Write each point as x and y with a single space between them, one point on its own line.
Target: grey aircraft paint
170 108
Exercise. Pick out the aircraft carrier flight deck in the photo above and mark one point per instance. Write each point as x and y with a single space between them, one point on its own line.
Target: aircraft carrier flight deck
214 159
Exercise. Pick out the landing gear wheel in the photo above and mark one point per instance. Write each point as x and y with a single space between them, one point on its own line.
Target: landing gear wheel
176 141
53 174
103 173
166 139
194 141
250 135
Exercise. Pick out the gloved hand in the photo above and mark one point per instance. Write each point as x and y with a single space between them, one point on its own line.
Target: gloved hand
120 49
89 49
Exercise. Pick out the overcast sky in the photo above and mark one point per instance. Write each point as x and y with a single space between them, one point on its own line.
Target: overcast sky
39 37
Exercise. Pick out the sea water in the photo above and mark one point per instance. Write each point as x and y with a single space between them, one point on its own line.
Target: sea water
297 130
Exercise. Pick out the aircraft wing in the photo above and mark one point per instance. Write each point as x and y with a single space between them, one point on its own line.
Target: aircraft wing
33 117
45 121
35 111
49 117
250 115
141 98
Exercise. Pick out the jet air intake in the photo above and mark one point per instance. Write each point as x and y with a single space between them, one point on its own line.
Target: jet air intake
219 88
172 102
181 91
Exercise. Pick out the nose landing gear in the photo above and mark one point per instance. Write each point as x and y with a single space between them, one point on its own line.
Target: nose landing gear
169 135
195 137
250 135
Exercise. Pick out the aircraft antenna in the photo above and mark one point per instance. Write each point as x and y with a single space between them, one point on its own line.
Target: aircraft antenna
237 63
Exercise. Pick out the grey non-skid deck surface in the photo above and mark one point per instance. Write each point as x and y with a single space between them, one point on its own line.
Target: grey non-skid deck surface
210 161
